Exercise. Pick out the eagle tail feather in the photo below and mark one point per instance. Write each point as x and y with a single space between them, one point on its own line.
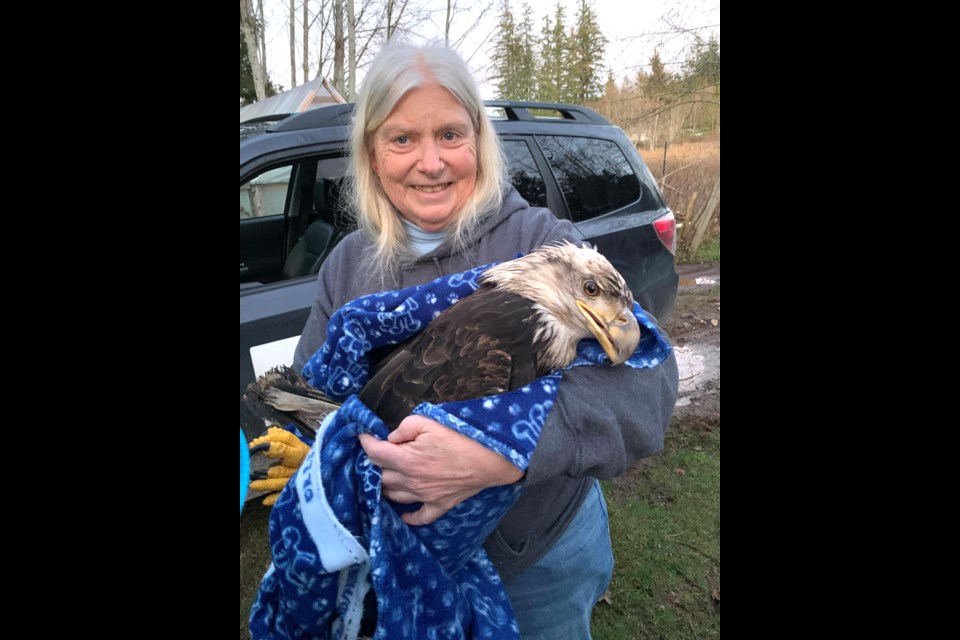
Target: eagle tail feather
282 395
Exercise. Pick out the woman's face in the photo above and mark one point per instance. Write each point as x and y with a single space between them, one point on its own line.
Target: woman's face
425 154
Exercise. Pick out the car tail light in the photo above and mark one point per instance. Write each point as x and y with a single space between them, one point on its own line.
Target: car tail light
666 228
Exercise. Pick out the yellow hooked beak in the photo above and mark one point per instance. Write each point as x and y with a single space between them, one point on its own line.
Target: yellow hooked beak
616 330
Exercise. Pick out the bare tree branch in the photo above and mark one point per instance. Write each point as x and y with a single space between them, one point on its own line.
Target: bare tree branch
248 27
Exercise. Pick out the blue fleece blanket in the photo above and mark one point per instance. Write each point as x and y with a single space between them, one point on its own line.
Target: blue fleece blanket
332 535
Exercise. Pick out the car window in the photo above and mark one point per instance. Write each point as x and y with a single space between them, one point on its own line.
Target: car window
524 173
266 194
594 175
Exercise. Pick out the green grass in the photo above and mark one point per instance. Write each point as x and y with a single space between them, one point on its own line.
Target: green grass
709 250
665 527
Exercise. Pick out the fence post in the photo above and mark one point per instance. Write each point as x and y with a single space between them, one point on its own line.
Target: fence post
703 221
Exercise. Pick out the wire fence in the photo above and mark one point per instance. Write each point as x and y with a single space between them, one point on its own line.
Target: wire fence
688 174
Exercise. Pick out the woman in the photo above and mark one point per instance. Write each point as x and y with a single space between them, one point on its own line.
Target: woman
431 197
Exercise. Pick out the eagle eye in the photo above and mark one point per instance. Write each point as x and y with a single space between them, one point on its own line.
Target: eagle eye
591 289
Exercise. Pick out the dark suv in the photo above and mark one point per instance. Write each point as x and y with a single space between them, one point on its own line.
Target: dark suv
564 157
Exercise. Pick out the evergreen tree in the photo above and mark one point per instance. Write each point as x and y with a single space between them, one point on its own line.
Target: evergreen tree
545 87
587 45
702 83
656 87
514 56
506 54
610 89
527 63
610 105
703 62
656 84
552 79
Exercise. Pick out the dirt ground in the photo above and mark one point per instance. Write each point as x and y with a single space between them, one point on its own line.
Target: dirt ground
694 328
698 299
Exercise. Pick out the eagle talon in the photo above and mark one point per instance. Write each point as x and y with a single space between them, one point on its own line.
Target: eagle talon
260 448
288 450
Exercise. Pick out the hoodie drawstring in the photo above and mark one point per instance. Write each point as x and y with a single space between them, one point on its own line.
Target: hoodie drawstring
436 263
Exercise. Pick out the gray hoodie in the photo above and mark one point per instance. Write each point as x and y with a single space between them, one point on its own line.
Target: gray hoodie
604 418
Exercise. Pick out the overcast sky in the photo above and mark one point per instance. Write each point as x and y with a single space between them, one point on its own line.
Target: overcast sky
633 29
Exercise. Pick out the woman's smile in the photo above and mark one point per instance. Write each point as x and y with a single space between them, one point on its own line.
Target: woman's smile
425 154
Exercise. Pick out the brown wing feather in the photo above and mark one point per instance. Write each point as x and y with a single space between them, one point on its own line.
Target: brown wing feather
482 345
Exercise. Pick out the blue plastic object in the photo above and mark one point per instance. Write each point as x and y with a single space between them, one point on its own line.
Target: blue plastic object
244 469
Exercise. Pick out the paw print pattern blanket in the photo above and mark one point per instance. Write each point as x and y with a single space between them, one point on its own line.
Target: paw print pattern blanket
333 537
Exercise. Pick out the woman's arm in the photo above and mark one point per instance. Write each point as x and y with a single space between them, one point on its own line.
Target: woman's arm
604 420
314 333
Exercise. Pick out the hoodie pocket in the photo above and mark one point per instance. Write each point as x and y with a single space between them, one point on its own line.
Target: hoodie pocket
499 547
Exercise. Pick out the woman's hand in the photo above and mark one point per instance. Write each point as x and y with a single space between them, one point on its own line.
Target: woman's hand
424 461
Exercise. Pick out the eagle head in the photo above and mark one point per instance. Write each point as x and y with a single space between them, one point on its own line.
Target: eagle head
576 294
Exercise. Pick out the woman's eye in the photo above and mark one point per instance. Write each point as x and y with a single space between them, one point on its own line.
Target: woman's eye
590 288
450 136
401 139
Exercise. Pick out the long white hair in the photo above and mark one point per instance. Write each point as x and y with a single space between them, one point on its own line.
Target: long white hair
397 69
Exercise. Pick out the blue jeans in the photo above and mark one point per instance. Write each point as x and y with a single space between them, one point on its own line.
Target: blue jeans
553 599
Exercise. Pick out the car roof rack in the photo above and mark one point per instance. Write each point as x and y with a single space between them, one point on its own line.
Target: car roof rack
342 114
272 117
517 110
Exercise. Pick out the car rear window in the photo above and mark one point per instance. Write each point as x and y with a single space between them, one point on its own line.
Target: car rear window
594 175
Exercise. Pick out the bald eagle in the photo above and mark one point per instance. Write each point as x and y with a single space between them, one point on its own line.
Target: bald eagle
524 321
